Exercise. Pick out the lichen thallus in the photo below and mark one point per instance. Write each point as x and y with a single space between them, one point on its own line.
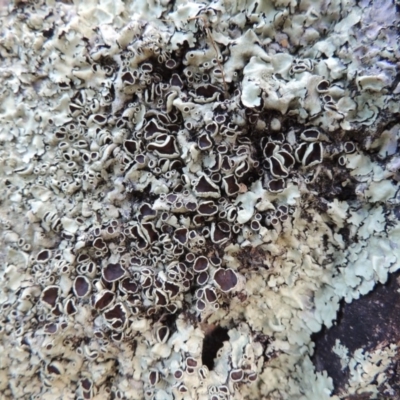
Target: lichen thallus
207 29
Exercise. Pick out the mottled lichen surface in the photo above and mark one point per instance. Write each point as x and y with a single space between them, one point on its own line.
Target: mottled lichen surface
179 176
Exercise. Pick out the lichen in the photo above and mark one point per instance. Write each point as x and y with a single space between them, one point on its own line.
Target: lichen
367 370
169 169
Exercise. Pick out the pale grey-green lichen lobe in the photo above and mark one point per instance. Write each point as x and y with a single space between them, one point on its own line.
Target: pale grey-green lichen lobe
141 208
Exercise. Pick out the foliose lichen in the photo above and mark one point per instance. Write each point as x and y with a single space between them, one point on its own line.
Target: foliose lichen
173 168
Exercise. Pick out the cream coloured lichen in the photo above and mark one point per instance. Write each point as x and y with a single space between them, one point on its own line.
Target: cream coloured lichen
367 369
169 169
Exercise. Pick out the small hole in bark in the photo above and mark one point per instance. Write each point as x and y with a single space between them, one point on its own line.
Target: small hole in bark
212 342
